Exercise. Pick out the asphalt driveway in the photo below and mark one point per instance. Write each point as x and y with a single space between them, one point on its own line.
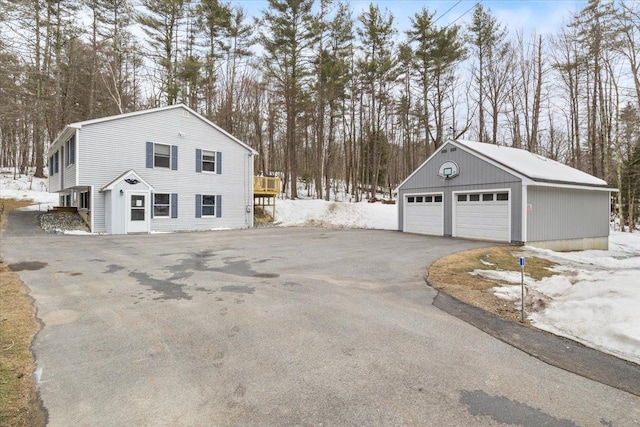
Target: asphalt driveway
276 327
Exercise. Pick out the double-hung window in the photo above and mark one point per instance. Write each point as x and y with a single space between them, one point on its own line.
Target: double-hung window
54 163
162 156
161 205
208 161
165 205
208 206
70 151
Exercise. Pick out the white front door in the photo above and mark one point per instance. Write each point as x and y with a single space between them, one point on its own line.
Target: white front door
137 212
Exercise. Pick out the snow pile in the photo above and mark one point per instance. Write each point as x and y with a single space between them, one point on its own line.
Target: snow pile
22 188
290 213
594 298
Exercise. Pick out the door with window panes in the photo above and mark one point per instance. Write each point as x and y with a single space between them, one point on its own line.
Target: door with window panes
137 212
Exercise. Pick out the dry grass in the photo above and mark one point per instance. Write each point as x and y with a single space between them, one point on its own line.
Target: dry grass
18 399
451 275
260 216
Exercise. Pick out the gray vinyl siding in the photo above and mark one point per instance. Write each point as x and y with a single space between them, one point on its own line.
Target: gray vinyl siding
473 171
563 214
112 147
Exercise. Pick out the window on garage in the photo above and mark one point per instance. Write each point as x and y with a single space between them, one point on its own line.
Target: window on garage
428 199
437 199
411 199
419 199
502 196
462 197
487 197
474 197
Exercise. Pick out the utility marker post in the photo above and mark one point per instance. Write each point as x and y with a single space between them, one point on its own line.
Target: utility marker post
522 289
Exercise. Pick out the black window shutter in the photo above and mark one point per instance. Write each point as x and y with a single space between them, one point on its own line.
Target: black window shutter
198 160
149 154
50 165
198 206
174 205
218 162
218 206
174 157
153 204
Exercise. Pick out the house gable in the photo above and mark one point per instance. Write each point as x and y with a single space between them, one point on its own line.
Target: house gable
473 170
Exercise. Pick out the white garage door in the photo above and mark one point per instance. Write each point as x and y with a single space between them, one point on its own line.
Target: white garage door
482 215
423 214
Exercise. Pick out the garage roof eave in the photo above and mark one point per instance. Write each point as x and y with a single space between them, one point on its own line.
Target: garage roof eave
566 184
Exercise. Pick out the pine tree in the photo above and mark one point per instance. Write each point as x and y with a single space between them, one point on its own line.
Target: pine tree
486 36
436 53
161 24
287 37
377 71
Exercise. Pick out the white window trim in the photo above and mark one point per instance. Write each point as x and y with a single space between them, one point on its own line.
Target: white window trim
215 164
202 205
154 156
153 206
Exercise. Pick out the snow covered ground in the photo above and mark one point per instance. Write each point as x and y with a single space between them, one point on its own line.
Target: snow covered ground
25 187
380 216
594 297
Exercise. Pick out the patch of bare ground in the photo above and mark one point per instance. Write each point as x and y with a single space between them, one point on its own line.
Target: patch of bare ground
452 275
261 217
19 405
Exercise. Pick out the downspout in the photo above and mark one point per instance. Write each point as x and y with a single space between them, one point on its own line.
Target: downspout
525 212
91 208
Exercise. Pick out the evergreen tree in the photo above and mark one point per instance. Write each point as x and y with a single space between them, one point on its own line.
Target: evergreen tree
486 36
377 73
160 23
436 53
287 37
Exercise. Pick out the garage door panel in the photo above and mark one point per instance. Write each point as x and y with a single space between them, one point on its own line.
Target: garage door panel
487 220
423 218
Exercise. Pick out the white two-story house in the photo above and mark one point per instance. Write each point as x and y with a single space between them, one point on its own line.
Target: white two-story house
164 169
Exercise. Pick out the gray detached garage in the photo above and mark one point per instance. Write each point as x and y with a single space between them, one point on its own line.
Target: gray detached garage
483 191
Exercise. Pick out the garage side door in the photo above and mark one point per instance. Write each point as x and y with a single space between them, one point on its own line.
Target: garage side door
423 214
482 215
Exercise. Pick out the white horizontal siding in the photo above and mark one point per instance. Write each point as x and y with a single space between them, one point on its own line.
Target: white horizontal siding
110 148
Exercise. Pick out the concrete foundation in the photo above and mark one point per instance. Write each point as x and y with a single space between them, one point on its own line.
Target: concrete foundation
597 243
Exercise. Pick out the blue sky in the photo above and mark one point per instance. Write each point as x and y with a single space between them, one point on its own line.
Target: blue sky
545 16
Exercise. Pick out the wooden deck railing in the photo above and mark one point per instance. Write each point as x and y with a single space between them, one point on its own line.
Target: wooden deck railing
266 186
